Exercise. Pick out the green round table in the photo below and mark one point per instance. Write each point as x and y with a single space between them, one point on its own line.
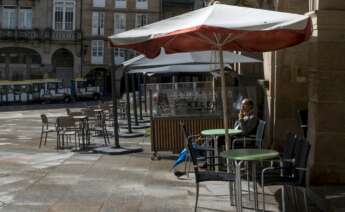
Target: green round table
253 155
219 132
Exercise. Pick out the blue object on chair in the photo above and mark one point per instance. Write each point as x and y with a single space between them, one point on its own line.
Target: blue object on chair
183 154
181 157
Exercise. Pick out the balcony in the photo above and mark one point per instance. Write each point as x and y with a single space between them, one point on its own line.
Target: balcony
65 36
19 34
40 35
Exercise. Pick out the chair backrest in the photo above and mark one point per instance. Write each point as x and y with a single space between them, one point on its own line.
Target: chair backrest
260 130
44 119
89 112
65 122
289 154
302 149
184 132
289 146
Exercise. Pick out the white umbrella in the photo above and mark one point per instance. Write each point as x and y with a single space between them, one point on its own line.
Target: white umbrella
218 27
200 57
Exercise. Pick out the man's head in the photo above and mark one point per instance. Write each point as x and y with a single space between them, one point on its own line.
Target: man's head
247 105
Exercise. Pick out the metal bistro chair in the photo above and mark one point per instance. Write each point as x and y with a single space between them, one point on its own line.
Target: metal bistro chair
204 176
46 129
74 113
66 129
99 127
292 173
194 138
249 141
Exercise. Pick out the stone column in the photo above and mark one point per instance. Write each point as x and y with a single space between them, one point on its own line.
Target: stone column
327 95
28 62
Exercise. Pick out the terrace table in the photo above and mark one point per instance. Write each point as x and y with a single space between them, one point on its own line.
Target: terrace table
219 132
252 155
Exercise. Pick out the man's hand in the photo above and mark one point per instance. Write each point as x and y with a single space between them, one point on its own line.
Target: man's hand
241 115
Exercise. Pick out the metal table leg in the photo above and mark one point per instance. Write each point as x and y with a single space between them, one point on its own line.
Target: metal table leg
238 186
216 153
255 185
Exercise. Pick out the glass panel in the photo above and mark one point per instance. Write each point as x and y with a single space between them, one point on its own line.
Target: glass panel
25 19
69 18
141 20
120 22
9 18
99 3
59 18
95 16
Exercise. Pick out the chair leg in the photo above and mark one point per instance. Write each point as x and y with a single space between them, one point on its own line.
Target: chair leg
305 198
185 163
57 141
263 194
45 139
39 146
248 182
283 199
231 192
197 197
189 162
294 195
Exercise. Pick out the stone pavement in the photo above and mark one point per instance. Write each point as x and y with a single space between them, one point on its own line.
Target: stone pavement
33 179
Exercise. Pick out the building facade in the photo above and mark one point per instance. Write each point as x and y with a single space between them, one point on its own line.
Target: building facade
39 39
66 39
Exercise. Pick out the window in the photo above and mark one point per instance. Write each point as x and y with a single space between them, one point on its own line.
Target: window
63 18
119 22
97 51
99 3
141 20
120 3
25 18
141 4
97 23
119 55
9 18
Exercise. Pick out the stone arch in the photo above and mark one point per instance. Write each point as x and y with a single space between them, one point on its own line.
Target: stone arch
62 63
19 62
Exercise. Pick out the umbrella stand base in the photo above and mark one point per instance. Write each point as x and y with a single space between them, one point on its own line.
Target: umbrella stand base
130 135
112 150
140 126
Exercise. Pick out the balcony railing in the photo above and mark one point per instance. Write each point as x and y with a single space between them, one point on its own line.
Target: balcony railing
41 35
65 35
13 34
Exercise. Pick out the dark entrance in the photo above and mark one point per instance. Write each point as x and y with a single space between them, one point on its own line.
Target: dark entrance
62 61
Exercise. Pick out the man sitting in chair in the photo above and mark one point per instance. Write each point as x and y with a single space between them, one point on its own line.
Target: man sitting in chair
247 121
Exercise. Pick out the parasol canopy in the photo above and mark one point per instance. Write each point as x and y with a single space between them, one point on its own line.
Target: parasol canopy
218 27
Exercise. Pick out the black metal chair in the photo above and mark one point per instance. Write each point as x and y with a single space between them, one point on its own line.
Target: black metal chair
195 139
303 120
46 128
291 173
203 176
251 141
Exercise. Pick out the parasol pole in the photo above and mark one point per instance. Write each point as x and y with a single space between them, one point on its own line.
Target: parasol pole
224 98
